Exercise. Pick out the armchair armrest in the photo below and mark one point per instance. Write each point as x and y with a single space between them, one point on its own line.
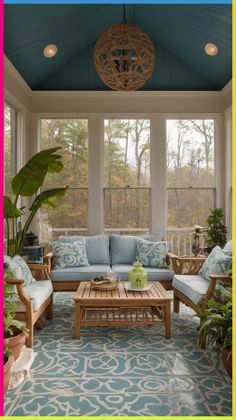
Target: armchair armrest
212 284
221 277
19 283
14 281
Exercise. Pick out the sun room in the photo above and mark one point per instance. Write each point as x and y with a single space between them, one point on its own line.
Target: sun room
150 162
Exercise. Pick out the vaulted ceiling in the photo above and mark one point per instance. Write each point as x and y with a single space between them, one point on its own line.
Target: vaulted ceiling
179 33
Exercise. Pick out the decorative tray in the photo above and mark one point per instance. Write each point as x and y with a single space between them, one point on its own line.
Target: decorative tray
101 283
127 286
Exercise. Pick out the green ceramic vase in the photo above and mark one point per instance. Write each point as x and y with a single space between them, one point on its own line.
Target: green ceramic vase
138 277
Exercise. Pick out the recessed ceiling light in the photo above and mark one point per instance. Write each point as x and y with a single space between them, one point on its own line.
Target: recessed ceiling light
211 49
50 50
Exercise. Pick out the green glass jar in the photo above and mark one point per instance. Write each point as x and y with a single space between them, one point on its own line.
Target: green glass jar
138 277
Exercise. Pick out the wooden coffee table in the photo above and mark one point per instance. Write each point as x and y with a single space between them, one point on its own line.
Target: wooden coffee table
121 307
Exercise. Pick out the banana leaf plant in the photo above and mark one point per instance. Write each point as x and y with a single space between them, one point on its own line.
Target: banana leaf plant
26 183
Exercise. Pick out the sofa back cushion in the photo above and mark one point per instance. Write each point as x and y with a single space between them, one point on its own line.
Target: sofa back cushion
97 247
16 267
66 255
123 249
152 254
217 262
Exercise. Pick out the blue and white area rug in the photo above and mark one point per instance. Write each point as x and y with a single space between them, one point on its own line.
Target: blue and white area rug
120 371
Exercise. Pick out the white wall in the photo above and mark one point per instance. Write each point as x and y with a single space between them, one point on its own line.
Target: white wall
99 105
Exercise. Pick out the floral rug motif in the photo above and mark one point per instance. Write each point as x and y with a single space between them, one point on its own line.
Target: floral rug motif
120 371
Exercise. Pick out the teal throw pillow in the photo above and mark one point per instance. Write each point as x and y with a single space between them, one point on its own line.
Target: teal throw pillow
16 267
152 254
67 255
217 262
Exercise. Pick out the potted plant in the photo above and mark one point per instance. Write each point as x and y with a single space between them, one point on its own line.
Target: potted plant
26 184
15 331
8 360
215 232
216 327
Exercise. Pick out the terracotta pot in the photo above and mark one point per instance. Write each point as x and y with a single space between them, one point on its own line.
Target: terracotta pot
15 344
7 371
226 358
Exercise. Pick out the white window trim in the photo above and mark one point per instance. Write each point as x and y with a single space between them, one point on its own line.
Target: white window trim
157 160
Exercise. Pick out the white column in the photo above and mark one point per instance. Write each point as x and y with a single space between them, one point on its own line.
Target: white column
220 161
95 175
32 147
158 174
228 170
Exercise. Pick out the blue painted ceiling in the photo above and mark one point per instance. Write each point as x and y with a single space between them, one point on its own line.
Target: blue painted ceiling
179 33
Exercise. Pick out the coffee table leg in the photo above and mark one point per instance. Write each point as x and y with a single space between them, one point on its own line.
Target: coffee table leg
77 320
167 319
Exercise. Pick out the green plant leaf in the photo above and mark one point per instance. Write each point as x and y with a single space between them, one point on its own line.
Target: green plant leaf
46 196
10 211
31 177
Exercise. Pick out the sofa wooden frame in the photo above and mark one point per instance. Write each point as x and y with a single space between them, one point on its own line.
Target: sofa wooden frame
30 317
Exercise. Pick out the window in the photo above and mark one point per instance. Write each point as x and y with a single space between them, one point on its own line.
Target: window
190 178
9 147
127 193
71 215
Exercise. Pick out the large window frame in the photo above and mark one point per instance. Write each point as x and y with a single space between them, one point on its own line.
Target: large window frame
64 230
158 182
127 189
182 237
13 139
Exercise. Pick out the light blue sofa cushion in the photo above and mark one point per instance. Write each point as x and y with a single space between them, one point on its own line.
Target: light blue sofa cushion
216 263
79 273
38 292
192 286
160 274
151 254
123 249
228 248
67 255
97 247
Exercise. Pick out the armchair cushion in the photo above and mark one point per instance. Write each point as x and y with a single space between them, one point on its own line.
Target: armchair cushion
67 255
216 263
151 254
192 286
16 267
37 292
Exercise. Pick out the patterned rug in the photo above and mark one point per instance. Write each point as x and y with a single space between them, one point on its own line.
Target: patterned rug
120 371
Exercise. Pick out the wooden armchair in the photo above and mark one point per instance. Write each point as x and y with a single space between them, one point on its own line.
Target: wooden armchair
34 299
192 289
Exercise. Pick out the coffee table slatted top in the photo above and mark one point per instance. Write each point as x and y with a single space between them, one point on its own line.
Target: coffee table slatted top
86 295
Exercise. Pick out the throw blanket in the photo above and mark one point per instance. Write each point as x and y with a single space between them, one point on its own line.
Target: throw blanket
21 367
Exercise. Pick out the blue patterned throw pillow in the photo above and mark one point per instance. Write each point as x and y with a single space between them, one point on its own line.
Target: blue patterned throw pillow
217 262
68 255
17 268
151 254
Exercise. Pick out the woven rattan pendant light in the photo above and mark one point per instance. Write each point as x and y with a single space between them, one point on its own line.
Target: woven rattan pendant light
124 56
